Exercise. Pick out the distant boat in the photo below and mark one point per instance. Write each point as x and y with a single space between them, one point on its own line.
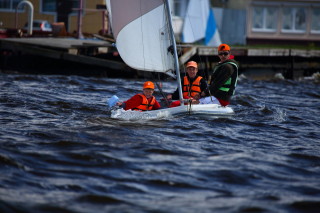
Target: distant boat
145 41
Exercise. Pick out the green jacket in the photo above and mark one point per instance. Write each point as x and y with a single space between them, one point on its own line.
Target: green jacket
223 80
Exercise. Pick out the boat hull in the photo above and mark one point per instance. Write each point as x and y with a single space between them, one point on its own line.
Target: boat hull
200 109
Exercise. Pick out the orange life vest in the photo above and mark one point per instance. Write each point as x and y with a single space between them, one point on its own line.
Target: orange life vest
145 105
192 90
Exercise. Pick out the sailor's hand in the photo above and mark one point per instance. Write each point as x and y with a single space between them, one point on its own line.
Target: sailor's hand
169 97
194 100
119 103
196 97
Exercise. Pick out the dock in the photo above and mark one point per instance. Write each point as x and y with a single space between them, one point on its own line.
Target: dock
260 63
83 53
46 55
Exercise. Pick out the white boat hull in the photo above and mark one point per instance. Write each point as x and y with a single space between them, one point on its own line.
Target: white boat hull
199 109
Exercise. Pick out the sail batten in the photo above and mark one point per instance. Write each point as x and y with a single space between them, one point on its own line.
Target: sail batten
141 33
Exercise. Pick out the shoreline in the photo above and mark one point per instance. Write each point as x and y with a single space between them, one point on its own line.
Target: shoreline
99 57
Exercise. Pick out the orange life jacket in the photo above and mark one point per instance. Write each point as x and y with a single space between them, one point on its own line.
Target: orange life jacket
192 90
145 105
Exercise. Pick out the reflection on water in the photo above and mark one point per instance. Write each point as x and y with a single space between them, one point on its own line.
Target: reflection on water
61 151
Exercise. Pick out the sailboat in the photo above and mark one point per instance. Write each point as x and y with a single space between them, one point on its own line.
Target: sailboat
145 41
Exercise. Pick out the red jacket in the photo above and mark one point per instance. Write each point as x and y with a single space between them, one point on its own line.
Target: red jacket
136 101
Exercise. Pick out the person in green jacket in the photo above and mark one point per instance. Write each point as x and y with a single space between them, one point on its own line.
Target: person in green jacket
223 80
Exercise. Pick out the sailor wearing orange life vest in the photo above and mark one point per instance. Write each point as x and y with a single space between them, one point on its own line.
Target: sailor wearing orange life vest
142 102
192 84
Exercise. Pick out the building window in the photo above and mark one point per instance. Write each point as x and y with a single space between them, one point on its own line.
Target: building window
294 20
9 5
49 6
264 19
5 4
315 20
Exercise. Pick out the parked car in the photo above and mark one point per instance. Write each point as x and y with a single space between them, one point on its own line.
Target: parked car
40 26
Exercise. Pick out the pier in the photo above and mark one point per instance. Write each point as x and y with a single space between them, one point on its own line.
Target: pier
262 63
99 57
83 56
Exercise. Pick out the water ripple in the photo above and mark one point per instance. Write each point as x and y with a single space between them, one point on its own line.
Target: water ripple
61 152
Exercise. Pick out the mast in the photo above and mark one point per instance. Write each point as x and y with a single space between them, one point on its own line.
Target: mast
175 54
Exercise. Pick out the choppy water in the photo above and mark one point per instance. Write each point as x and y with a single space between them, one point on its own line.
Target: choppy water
60 151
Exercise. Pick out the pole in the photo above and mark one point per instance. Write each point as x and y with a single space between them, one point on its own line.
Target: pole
174 51
80 36
103 22
30 16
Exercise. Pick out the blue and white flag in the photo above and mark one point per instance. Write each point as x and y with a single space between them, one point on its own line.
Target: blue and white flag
199 23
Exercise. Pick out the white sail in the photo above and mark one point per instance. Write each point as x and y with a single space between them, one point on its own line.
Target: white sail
141 33
200 24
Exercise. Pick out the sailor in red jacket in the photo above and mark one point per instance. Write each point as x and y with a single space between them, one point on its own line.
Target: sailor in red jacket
142 102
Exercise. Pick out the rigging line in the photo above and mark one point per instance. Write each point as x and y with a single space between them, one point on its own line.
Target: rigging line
162 93
209 91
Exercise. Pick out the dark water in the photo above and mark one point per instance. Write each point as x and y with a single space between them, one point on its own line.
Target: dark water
60 151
